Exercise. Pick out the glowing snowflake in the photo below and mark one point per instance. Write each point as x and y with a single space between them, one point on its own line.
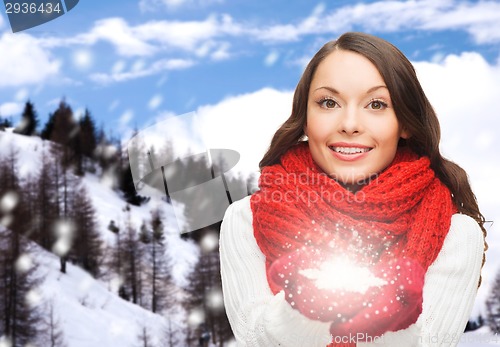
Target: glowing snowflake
343 274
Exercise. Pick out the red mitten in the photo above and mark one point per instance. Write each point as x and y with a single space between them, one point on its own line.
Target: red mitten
303 294
396 307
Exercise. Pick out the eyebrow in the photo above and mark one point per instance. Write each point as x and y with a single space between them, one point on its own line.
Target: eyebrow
335 91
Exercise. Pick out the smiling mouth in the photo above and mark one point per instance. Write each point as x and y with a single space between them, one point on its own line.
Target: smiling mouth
350 150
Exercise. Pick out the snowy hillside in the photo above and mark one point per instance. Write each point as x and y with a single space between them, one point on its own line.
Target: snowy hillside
89 312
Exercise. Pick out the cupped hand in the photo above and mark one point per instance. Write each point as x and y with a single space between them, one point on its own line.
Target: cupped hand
396 307
305 295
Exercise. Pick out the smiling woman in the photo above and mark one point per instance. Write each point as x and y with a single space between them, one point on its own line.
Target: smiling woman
393 262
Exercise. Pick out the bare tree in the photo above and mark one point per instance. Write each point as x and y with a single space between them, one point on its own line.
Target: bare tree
144 338
54 335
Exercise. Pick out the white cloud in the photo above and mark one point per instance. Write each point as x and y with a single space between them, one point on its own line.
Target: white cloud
11 109
244 123
83 59
114 105
152 5
188 35
118 67
23 61
271 58
291 32
138 65
152 37
140 70
21 95
115 31
222 53
124 126
479 19
155 102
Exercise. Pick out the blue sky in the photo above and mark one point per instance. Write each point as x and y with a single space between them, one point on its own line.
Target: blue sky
135 63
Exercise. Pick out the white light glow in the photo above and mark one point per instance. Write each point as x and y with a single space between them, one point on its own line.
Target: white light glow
196 317
344 275
209 242
83 59
24 263
5 342
9 202
33 298
215 300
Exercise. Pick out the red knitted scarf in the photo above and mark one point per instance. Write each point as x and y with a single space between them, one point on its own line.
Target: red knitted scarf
404 211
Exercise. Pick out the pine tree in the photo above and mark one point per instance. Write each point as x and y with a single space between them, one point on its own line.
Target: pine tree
493 306
87 138
45 211
62 129
65 128
29 120
87 249
132 255
5 123
161 267
48 127
19 317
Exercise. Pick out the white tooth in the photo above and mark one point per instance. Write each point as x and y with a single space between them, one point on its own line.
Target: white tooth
349 150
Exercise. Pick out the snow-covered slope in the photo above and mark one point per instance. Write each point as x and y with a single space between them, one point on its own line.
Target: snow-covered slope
89 311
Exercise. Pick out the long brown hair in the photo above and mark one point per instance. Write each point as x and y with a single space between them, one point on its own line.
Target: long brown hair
413 111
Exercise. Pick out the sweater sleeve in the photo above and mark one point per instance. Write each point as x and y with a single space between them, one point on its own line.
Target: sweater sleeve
449 291
257 317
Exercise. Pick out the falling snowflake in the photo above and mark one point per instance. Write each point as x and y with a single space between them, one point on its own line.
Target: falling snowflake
33 298
215 300
23 263
5 342
196 317
64 231
209 242
9 201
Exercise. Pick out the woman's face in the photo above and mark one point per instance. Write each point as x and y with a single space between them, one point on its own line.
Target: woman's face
351 125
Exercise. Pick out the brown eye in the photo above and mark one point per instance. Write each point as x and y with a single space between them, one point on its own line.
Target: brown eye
328 103
377 105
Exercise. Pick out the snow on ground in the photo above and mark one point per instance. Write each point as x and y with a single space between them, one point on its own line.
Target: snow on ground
89 314
89 311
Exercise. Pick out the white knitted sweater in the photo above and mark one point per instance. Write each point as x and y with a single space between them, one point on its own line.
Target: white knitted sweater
259 318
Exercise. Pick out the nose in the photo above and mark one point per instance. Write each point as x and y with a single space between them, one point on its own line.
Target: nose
350 122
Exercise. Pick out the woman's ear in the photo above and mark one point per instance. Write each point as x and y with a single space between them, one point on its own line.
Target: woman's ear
404 134
305 129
